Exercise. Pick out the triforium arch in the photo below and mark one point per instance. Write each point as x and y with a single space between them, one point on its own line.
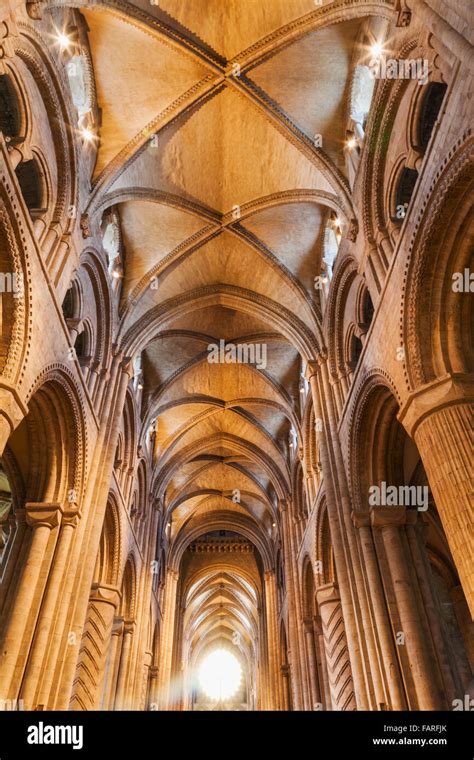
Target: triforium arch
235 355
404 545
46 496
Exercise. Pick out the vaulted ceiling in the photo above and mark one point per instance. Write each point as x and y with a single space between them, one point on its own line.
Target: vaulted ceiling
209 112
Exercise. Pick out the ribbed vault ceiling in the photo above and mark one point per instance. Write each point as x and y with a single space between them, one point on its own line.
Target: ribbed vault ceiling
227 207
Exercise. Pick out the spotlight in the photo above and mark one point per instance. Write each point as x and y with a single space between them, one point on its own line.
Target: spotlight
63 41
274 525
376 50
116 275
301 389
87 134
140 386
351 143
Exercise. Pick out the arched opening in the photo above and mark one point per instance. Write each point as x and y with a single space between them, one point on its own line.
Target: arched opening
430 109
222 634
404 190
366 311
31 184
355 351
44 462
68 304
393 487
6 504
81 345
10 114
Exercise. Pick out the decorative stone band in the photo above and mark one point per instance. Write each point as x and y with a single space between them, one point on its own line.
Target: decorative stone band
217 548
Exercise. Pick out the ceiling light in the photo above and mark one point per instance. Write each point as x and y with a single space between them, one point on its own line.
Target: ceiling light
87 134
63 41
274 525
116 274
140 387
351 143
376 50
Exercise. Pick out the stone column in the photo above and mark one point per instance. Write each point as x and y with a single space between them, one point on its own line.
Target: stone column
272 637
324 687
90 671
338 539
312 663
285 675
167 640
42 518
391 667
41 643
439 417
299 681
337 653
388 520
153 690
108 691
263 686
143 705
121 694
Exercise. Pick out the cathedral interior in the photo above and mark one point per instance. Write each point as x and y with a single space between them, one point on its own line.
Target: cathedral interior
236 355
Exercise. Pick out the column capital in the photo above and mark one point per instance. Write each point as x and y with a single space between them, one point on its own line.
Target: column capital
434 396
381 517
360 519
126 365
43 514
329 593
102 592
129 627
311 369
313 365
71 517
